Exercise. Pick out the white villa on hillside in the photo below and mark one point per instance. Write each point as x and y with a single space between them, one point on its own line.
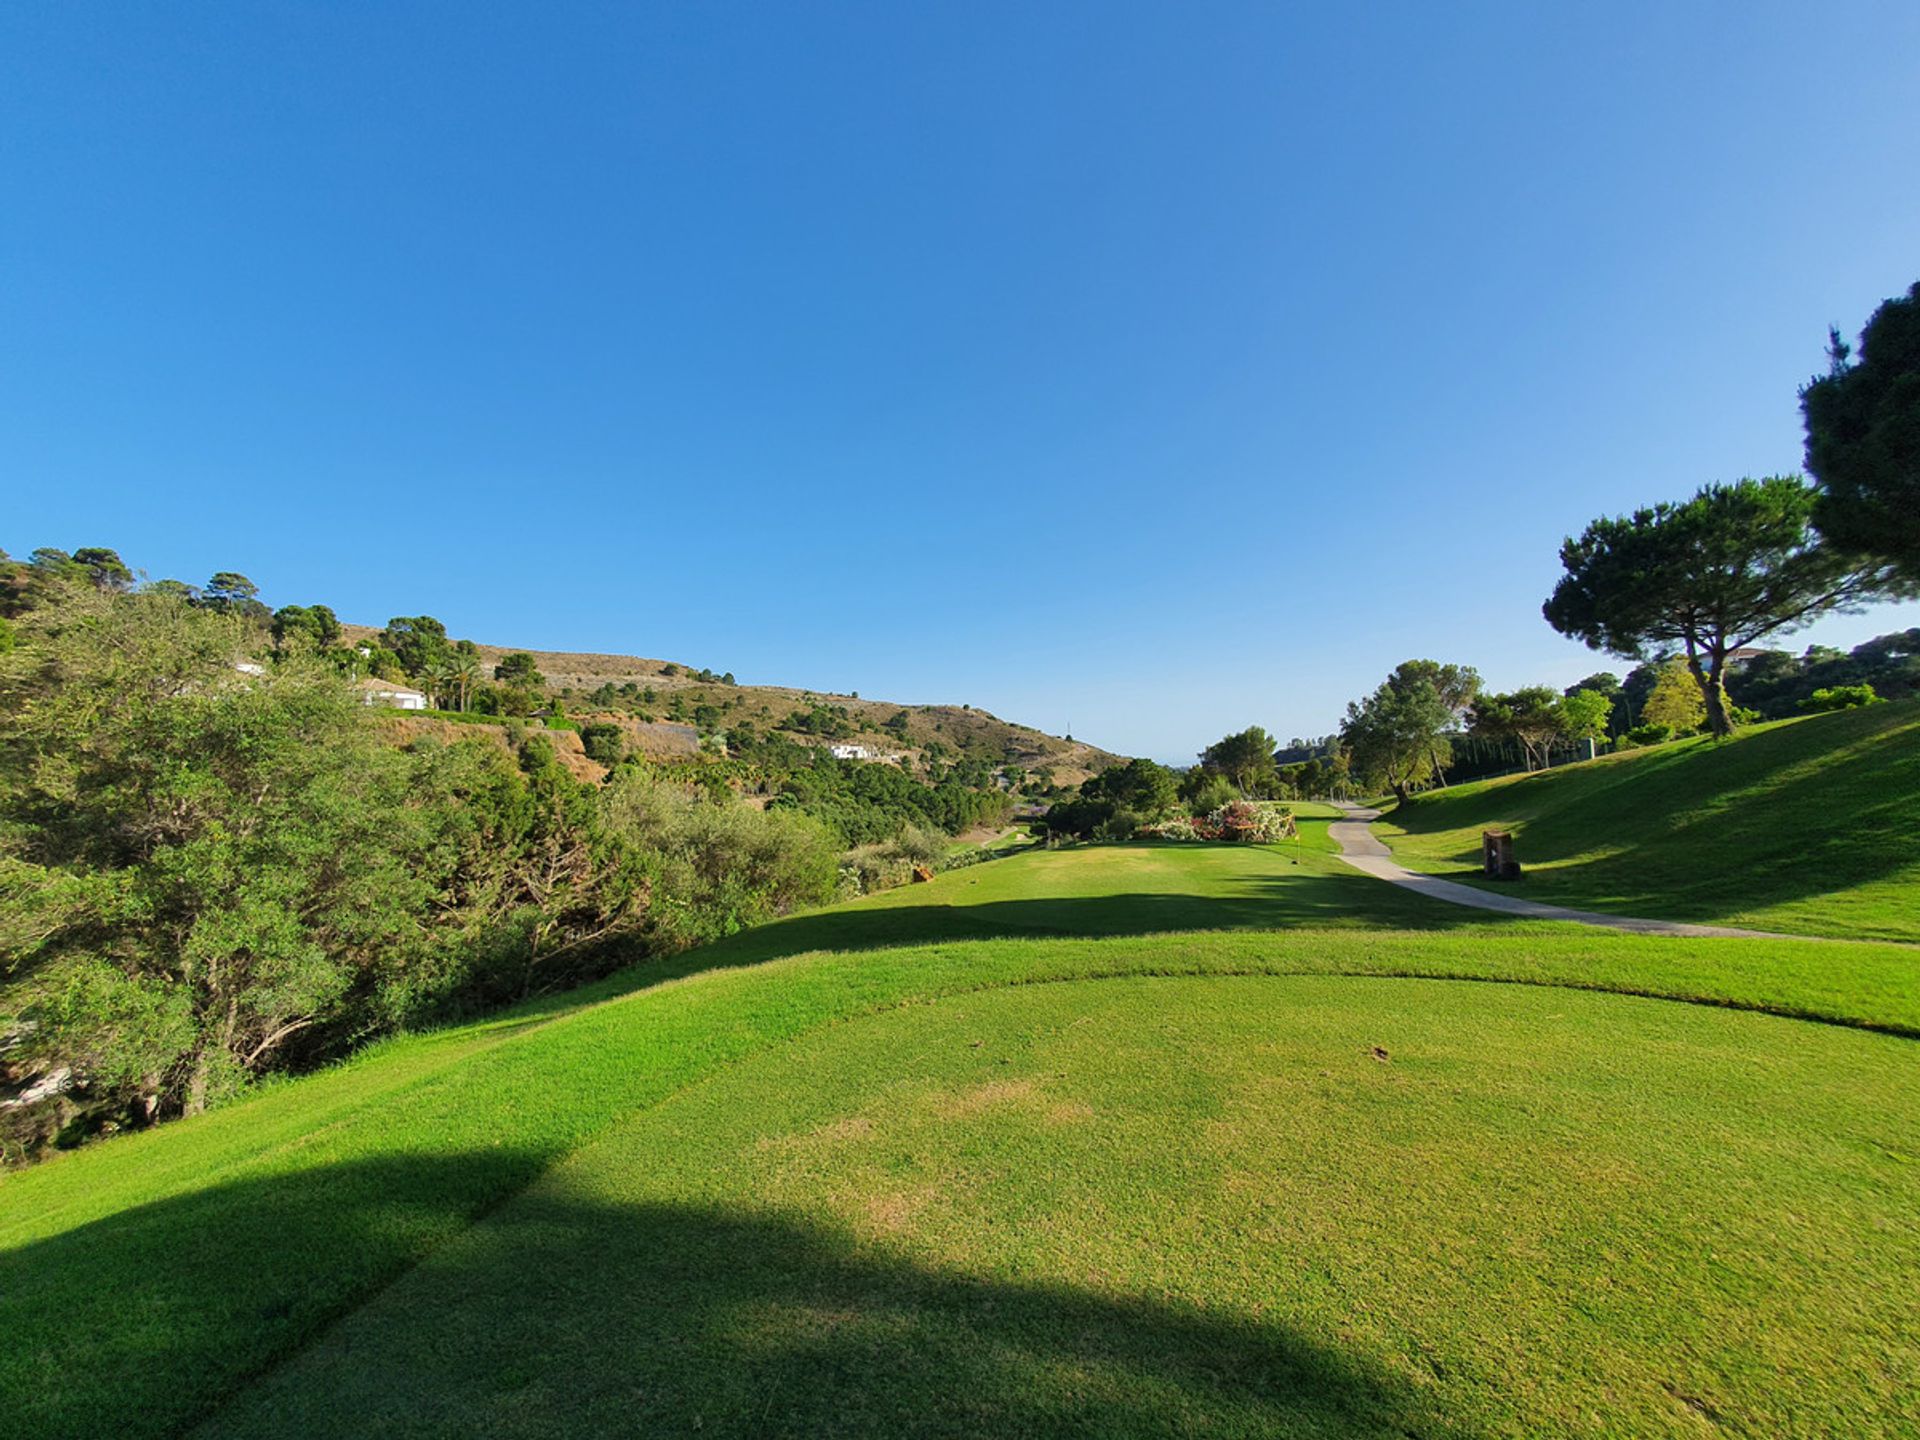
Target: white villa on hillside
385 692
850 752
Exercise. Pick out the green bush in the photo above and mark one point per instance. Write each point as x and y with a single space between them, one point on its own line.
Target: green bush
1648 735
601 741
1205 791
1840 697
717 863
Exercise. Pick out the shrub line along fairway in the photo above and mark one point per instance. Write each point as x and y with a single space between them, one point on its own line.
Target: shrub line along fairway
1367 853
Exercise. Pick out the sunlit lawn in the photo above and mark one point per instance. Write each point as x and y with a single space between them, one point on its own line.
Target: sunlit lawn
794 1194
1810 826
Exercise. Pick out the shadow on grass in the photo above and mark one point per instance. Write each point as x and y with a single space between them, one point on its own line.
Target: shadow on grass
1707 833
564 1317
1309 900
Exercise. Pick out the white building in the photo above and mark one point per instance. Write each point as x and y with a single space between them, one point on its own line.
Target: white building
385 692
850 752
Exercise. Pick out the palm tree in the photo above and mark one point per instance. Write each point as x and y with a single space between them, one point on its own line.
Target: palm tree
437 675
465 673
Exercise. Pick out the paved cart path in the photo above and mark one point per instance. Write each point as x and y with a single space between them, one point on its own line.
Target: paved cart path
1367 853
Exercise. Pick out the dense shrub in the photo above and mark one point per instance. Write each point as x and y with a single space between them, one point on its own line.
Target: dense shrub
206 875
1240 822
1205 791
601 741
1840 697
716 865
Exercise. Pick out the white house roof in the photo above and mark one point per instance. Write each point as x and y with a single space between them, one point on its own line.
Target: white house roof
386 687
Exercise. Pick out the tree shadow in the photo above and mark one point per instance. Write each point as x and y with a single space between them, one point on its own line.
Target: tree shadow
1796 837
559 1316
1308 899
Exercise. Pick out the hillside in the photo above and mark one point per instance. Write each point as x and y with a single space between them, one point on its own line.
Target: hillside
962 729
1232 1181
1808 826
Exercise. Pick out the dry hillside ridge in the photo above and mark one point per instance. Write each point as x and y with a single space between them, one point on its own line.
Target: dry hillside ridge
962 729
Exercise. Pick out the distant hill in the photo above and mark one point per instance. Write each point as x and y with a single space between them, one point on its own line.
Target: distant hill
961 729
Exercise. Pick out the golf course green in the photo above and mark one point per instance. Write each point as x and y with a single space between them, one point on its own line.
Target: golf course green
1132 1139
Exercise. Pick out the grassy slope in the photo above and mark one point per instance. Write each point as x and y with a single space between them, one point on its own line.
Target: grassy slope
146 1281
1808 826
1063 1211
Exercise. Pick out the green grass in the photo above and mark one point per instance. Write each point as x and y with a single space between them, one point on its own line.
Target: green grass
1169 1189
1016 838
1064 1211
1807 826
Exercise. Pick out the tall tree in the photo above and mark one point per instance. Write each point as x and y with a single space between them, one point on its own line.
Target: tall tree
419 640
1455 686
1397 735
1532 717
1675 700
1144 787
104 567
521 670
1585 714
232 593
438 677
466 674
1245 758
1732 565
212 866
317 625
1863 436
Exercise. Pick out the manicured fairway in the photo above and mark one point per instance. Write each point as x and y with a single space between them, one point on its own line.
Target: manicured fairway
1155 1211
1240 1206
1808 826
1112 890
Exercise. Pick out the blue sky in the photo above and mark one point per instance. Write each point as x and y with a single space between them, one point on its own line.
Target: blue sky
1155 370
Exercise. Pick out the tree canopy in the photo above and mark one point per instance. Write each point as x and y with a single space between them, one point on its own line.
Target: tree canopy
1863 437
1143 787
316 625
519 669
232 593
1533 716
1397 735
420 642
1675 701
1245 758
1733 564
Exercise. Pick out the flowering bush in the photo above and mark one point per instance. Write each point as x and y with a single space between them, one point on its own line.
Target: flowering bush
1240 822
1183 828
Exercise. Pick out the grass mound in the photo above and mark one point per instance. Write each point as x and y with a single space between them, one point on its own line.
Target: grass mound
1034 1173
1807 826
1062 1211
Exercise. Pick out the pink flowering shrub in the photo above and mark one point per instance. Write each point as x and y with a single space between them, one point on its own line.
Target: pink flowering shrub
1239 822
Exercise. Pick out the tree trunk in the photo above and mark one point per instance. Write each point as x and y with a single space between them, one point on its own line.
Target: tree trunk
1713 688
196 1096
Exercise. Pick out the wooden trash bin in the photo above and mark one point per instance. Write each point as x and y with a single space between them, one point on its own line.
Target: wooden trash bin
1496 855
